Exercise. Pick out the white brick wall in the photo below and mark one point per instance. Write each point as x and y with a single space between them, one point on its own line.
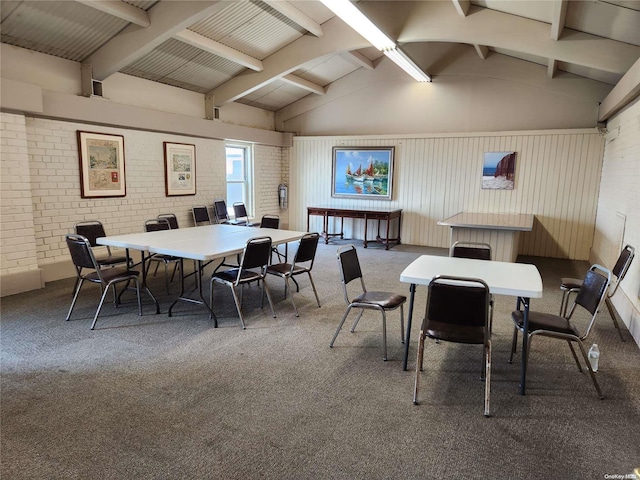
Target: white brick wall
17 236
268 172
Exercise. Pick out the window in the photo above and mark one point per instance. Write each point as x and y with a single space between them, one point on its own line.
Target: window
239 175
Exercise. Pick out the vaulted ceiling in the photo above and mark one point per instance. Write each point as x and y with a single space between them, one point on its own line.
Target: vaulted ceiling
271 53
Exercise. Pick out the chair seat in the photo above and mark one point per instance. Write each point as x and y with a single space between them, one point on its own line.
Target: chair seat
452 333
111 274
231 276
165 258
285 268
384 300
111 260
545 321
570 283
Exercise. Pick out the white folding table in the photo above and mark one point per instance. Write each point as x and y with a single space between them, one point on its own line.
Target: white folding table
520 280
201 244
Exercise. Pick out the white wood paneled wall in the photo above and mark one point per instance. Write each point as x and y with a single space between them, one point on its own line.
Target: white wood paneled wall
436 176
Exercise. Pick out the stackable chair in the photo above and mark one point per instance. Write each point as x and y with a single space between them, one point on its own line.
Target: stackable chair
302 263
201 215
156 225
93 229
476 250
171 218
273 221
253 268
83 258
220 212
242 217
364 299
459 310
572 285
590 296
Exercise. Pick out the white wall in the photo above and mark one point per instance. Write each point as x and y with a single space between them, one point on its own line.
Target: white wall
618 216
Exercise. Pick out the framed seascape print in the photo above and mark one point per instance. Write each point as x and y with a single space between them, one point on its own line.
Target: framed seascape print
362 172
101 165
180 168
499 170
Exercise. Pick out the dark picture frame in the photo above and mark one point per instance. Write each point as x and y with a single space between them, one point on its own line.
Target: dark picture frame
362 172
102 165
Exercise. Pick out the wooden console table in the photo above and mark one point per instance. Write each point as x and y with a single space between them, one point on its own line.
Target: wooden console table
342 213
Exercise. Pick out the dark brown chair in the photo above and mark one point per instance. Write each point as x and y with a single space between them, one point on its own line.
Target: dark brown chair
459 310
156 225
253 268
476 250
590 297
365 300
273 221
302 263
241 215
92 230
572 285
201 215
83 258
220 212
171 218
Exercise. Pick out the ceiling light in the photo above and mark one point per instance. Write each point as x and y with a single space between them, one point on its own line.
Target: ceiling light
353 17
404 62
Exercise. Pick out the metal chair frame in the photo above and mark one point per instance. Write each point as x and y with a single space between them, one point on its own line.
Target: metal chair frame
171 218
156 225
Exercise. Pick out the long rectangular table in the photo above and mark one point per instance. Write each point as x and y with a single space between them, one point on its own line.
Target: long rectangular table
201 244
370 214
519 280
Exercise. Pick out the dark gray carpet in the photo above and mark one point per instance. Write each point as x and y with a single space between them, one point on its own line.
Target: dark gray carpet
158 397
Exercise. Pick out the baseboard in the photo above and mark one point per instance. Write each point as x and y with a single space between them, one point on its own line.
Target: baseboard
13 283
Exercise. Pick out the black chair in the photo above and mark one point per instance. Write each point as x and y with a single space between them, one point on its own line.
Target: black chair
93 229
476 250
302 263
220 212
590 297
572 285
365 300
201 215
253 268
273 221
241 215
83 258
156 225
459 310
171 218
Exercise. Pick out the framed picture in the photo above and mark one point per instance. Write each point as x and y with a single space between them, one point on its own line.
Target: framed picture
499 170
101 165
180 168
362 172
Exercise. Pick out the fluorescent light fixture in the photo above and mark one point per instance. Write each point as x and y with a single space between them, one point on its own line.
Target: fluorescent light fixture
404 62
353 17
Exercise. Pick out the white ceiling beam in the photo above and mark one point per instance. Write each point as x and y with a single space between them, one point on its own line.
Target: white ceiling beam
558 17
167 19
624 92
120 9
358 60
204 43
304 84
483 51
552 67
296 16
462 6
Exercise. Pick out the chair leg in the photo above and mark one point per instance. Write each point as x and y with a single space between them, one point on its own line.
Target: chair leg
313 285
612 312
104 294
593 375
419 360
286 286
266 289
344 317
79 283
487 379
353 327
575 357
514 343
238 307
401 323
384 334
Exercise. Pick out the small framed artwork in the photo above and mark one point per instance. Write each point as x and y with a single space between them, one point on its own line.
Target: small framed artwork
180 168
499 170
101 165
362 172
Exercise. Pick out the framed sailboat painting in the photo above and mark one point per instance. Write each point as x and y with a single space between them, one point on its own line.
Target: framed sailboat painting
362 172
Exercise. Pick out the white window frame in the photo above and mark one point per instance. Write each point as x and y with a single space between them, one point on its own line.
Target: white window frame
247 181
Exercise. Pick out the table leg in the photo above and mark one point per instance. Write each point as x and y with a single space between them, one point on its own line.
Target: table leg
525 344
200 300
144 286
386 242
407 337
365 231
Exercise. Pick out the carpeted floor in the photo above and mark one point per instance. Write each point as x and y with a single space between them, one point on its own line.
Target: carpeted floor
158 397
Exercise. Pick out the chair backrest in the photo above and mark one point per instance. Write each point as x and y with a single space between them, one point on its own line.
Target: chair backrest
592 293
458 309
90 229
201 214
220 212
475 250
81 253
622 266
156 225
257 253
171 218
270 221
349 264
307 248
240 211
